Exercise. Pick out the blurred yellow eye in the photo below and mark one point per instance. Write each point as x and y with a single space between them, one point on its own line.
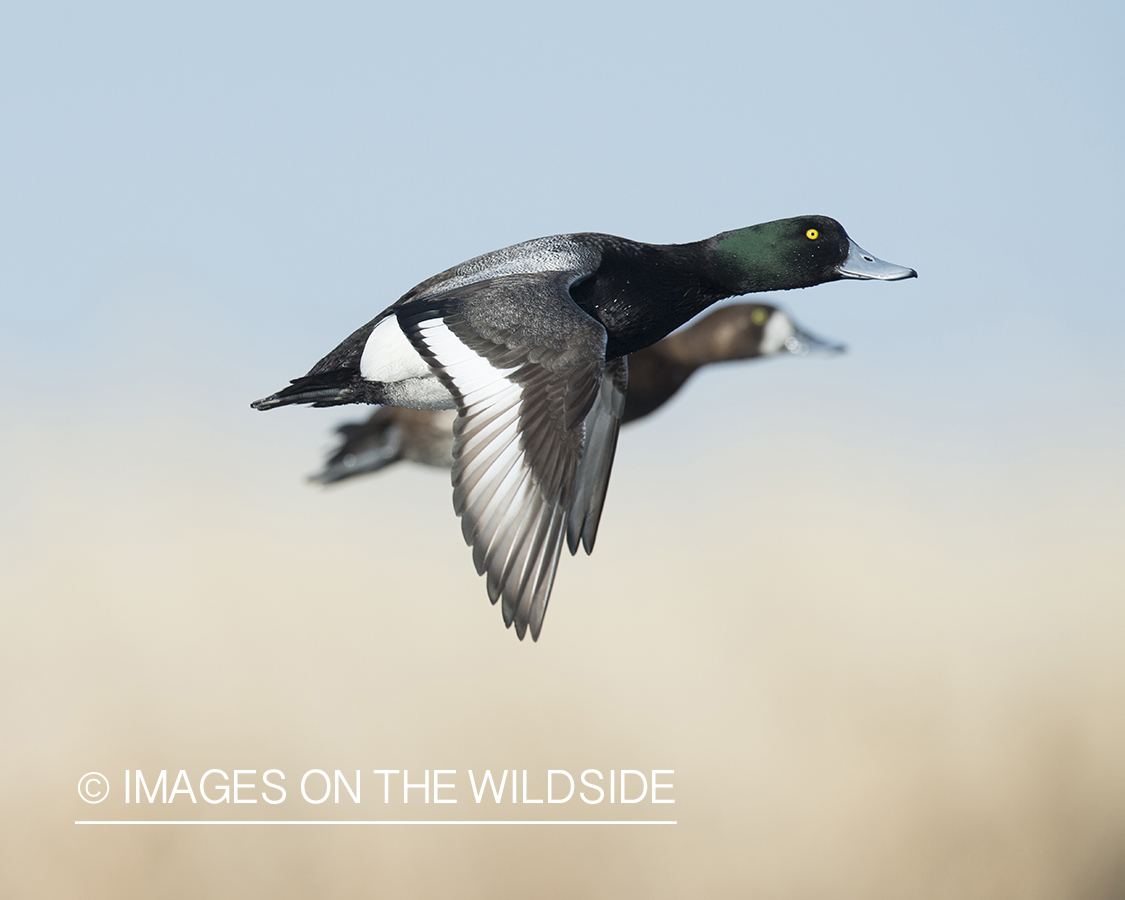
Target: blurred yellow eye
759 316
812 234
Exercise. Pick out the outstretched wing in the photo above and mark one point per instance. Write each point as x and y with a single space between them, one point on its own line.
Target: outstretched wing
525 366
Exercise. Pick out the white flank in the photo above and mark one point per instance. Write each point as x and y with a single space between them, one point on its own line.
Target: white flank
389 356
778 330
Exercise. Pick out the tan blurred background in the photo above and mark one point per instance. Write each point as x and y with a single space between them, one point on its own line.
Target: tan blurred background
873 676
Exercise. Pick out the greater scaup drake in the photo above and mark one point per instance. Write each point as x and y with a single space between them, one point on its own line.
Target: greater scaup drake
740 331
528 344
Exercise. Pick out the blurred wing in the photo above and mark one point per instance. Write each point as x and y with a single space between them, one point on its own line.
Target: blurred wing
367 447
524 365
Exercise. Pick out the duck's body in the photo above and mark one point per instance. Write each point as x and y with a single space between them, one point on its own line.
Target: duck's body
741 331
526 343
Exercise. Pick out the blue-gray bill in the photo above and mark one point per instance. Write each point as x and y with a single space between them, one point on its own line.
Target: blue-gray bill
802 343
861 264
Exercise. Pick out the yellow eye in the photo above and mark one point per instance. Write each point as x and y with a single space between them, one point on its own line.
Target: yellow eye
759 316
812 234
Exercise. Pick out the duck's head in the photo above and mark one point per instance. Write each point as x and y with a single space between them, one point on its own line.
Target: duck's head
794 253
746 330
780 334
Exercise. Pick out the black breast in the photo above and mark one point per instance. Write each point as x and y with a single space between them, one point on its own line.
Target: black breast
641 292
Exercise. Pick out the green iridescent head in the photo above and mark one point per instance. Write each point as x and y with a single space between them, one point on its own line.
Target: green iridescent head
795 253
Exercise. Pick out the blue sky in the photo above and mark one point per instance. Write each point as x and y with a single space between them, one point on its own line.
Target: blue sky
295 169
319 154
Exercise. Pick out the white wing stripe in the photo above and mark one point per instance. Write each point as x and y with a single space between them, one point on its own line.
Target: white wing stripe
451 353
516 531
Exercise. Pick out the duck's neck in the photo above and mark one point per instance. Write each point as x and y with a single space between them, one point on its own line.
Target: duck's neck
643 292
700 345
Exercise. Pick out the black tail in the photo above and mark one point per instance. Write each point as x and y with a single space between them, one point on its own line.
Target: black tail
324 389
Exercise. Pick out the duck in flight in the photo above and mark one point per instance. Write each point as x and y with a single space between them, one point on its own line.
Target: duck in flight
528 344
740 331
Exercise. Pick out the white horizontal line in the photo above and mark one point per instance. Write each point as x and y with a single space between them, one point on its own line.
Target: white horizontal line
372 822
